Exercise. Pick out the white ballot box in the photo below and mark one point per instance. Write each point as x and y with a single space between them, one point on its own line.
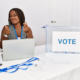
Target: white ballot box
65 39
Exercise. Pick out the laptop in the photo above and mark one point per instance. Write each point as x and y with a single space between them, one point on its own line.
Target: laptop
18 49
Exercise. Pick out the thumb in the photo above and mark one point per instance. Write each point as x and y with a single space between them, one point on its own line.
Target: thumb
26 22
6 27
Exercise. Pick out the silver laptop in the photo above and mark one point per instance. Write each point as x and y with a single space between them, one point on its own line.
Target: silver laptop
18 49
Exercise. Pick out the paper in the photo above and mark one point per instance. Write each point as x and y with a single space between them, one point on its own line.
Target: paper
61 60
36 68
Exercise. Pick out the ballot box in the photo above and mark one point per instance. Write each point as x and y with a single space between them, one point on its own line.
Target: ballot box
62 39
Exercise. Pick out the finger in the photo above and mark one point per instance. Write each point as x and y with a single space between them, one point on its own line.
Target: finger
26 23
23 29
24 26
6 30
6 27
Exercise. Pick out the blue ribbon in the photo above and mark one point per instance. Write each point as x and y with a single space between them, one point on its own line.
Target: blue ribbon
16 33
17 66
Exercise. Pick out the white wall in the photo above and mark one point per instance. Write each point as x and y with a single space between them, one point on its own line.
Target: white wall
61 12
41 12
65 12
36 14
76 13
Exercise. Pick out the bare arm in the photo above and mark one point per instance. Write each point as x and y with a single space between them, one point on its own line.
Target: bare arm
0 44
29 34
27 30
2 37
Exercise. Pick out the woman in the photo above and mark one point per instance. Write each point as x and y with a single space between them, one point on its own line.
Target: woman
17 27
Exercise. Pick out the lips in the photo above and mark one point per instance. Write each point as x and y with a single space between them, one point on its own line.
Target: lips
12 20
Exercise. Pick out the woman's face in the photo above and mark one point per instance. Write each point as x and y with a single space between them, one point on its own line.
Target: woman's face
14 17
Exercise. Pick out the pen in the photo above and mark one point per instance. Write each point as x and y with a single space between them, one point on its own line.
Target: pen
45 26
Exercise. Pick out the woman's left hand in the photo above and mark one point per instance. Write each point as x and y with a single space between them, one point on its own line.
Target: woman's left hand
26 28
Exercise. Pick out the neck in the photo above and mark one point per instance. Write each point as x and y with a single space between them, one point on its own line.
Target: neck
17 25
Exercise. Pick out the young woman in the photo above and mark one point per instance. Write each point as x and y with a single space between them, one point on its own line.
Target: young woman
17 27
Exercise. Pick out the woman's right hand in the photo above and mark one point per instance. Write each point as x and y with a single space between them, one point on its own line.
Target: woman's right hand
6 30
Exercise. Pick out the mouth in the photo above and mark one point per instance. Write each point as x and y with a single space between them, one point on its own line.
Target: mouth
12 20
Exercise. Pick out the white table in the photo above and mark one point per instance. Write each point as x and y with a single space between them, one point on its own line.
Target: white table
56 67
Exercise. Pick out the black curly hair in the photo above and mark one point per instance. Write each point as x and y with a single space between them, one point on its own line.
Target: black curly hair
20 15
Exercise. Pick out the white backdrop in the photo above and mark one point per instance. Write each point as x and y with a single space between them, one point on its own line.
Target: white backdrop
41 12
65 13
36 14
